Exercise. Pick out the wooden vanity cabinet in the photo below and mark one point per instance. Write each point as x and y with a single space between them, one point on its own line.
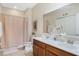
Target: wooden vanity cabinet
43 49
35 48
38 48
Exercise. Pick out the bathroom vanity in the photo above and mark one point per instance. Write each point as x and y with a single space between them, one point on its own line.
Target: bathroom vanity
43 48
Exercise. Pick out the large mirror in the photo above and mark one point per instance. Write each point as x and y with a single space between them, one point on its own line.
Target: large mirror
64 20
69 24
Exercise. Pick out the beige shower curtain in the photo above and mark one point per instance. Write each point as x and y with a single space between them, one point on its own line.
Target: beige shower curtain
13 31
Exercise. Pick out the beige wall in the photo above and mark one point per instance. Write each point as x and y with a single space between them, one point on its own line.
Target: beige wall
41 9
0 12
0 9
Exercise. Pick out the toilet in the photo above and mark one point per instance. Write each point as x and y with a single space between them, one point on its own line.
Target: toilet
28 49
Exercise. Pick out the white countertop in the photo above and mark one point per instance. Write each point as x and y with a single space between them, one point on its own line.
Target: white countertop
61 45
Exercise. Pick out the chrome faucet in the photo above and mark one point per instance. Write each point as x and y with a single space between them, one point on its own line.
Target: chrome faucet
55 38
70 41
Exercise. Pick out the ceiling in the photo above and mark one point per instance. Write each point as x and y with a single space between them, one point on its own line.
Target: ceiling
19 6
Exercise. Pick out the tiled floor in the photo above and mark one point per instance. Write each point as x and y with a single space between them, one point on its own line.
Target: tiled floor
19 53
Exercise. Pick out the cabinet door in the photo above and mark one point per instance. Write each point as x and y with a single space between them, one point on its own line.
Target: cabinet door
41 51
35 48
38 48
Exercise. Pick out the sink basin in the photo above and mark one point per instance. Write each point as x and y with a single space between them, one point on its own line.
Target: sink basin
57 42
67 46
60 43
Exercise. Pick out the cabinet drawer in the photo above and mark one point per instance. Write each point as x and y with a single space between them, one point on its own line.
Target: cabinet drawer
38 43
57 51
